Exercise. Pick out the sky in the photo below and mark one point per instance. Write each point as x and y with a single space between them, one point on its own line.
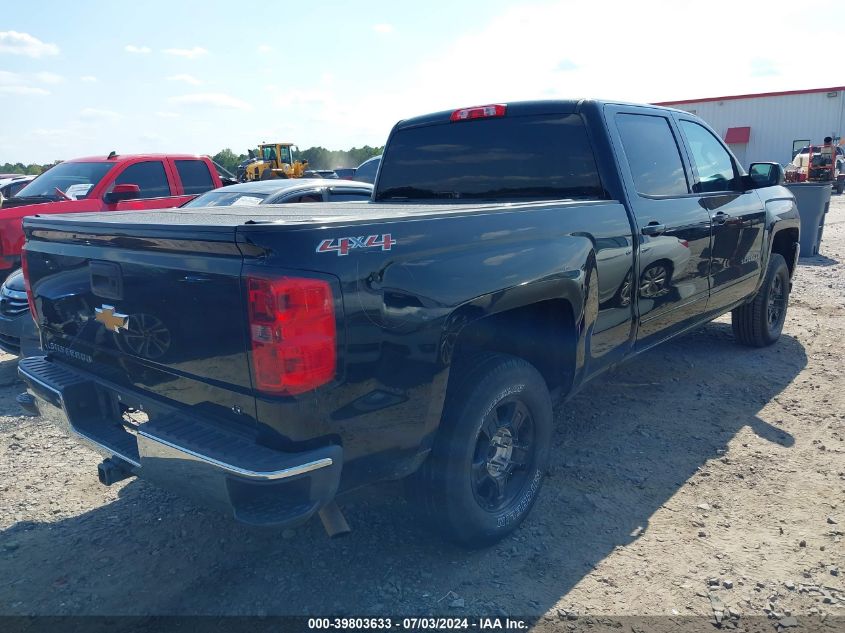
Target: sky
196 77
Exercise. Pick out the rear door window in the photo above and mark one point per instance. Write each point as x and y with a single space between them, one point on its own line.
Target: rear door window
195 176
149 176
653 155
531 157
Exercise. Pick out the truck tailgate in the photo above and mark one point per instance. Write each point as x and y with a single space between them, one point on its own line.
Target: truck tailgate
161 314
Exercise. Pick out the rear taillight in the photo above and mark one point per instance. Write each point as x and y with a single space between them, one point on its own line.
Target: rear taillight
29 297
479 112
294 338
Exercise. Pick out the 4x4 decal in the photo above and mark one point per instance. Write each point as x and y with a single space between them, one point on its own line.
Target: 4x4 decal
342 245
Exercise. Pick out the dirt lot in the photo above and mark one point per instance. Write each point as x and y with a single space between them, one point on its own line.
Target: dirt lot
702 474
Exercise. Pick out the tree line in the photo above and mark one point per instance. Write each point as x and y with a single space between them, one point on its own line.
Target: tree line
33 169
317 157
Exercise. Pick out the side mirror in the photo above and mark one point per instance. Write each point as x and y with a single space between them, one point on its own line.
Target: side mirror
765 175
122 192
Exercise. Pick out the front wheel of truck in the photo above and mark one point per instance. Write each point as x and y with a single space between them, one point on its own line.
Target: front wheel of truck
485 468
760 322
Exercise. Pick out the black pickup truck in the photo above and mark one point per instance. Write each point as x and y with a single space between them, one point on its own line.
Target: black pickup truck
266 359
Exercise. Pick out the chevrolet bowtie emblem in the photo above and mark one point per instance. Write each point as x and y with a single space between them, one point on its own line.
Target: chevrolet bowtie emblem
113 321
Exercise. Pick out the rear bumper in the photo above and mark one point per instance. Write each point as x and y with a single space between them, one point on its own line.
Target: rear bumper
196 458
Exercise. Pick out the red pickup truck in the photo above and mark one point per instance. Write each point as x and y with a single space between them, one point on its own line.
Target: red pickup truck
105 183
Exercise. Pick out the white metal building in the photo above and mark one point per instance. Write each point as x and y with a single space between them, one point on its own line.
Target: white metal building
771 126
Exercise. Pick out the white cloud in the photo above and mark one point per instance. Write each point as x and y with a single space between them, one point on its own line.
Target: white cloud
17 84
49 78
24 90
166 115
474 69
188 79
383 28
761 67
17 43
188 53
90 79
51 132
214 99
99 115
289 98
141 50
152 137
265 48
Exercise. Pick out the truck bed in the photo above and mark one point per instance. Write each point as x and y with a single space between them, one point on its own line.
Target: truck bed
321 213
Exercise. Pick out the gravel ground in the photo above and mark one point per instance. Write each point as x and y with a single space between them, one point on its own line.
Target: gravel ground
702 476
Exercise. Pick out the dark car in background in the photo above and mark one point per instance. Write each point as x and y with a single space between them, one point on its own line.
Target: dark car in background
18 332
9 187
366 171
280 191
346 173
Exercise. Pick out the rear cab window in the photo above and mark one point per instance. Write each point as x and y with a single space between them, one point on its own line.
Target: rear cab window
195 176
535 156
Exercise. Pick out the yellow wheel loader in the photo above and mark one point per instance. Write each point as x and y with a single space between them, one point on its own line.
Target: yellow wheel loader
274 160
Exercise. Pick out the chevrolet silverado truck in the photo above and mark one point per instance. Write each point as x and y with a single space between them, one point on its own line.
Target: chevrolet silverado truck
265 359
106 183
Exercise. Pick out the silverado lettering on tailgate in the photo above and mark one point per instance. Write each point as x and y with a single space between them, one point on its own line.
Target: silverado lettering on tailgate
70 353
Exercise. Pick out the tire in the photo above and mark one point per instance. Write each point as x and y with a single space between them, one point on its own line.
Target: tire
840 186
622 298
759 323
146 336
486 466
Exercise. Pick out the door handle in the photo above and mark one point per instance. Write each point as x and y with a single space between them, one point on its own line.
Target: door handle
653 229
721 218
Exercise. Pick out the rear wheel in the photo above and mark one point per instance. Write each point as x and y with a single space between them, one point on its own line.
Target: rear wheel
485 469
760 322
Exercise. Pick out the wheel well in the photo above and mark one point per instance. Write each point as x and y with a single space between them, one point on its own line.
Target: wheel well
542 333
668 263
784 243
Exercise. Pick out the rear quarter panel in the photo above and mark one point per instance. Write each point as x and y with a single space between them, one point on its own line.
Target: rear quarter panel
404 308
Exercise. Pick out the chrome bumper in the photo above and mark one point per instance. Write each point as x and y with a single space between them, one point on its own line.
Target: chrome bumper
257 484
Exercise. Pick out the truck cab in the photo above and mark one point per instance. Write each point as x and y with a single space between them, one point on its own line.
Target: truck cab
284 355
